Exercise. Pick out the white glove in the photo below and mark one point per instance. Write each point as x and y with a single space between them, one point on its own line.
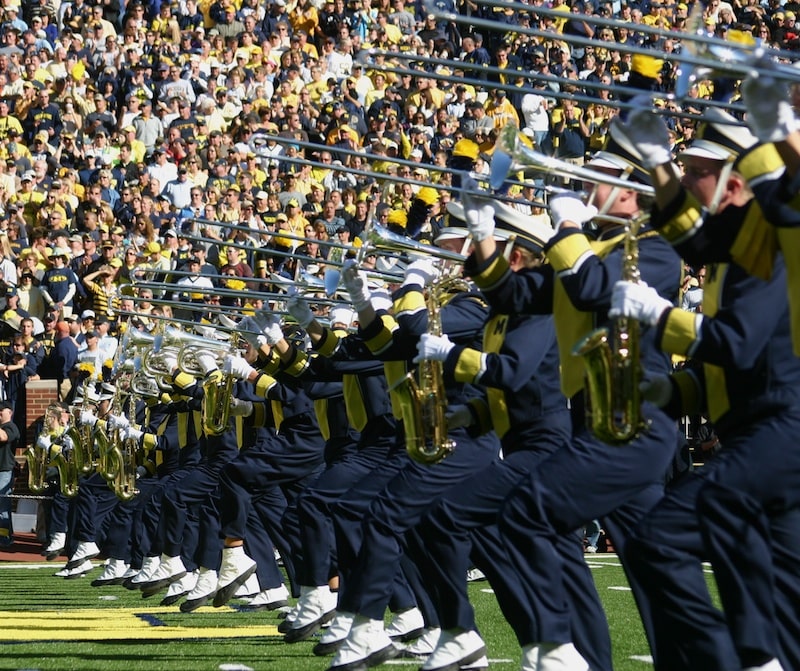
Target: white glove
355 283
298 308
420 273
478 211
208 362
769 114
238 367
569 207
273 333
657 390
141 471
638 301
433 348
170 361
458 416
88 418
118 422
647 132
241 408
44 441
133 434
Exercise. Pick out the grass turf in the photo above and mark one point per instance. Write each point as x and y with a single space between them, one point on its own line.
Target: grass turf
49 623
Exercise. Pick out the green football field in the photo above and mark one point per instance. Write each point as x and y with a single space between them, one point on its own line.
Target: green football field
52 623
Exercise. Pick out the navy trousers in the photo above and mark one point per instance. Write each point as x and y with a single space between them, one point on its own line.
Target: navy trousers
582 481
726 512
398 508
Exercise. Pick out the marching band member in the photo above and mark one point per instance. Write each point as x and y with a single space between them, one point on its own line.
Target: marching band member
288 458
586 479
392 499
748 382
368 407
519 366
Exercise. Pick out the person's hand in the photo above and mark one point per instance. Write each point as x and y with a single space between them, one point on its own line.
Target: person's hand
478 211
240 408
133 434
458 416
433 348
238 367
647 132
638 301
273 334
88 418
568 207
141 471
355 283
208 362
118 422
420 273
769 114
298 307
657 390
170 360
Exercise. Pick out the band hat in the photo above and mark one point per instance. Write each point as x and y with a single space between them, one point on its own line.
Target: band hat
619 154
529 232
342 315
719 137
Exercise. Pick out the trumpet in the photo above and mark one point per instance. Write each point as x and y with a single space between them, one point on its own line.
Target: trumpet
511 155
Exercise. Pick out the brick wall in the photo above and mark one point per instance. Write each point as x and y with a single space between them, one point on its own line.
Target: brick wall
39 394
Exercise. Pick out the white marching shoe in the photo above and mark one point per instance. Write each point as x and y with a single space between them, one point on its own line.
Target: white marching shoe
180 588
113 573
270 599
424 645
169 570
143 575
204 590
552 657
406 625
236 568
80 570
85 551
316 606
366 645
249 588
56 546
334 635
463 650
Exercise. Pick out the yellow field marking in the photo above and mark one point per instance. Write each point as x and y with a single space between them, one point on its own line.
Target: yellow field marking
116 624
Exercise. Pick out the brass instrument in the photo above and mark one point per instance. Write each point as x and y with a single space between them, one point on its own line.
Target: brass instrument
423 401
65 462
108 441
38 454
613 369
125 458
81 437
217 394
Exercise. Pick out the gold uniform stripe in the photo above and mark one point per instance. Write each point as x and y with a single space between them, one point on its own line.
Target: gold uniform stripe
321 410
410 303
680 332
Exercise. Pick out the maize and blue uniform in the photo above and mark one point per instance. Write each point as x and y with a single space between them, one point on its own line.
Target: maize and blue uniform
585 479
411 488
741 509
519 366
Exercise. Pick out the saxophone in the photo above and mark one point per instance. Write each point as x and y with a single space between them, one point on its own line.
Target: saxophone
613 369
125 454
423 401
65 462
38 454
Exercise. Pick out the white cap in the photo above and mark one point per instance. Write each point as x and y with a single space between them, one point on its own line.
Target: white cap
342 315
88 313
